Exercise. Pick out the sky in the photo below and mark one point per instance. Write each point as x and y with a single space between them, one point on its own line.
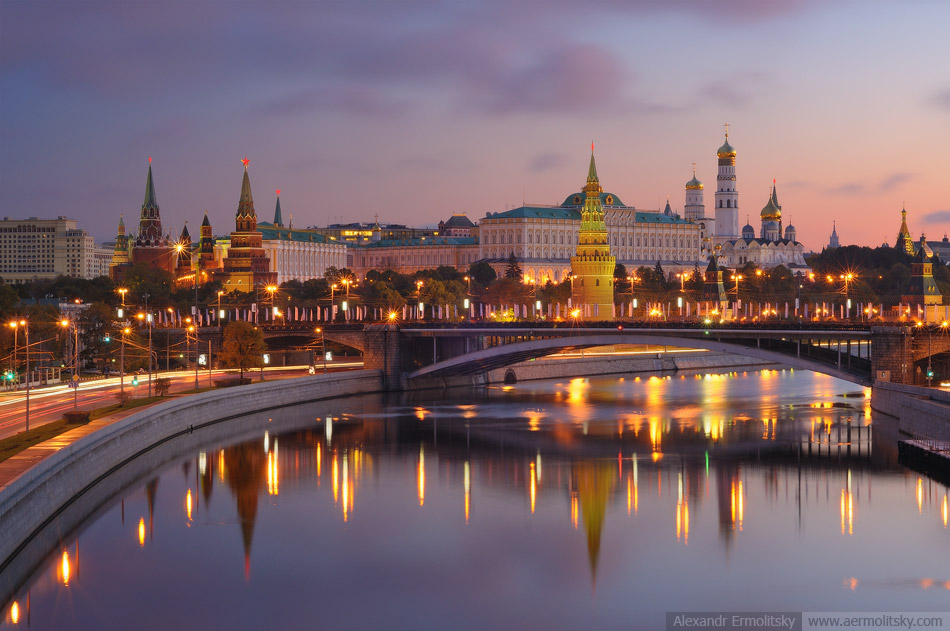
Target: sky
418 109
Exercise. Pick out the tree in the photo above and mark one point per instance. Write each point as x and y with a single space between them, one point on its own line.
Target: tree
243 346
96 326
513 270
482 273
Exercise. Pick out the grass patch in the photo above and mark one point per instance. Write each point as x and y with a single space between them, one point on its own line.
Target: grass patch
24 440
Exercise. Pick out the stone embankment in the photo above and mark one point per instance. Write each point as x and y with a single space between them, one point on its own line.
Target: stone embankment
36 497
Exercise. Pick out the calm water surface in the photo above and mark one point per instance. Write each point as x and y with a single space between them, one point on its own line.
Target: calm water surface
600 502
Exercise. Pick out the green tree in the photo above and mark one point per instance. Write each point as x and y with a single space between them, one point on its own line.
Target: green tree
96 325
243 346
482 273
513 270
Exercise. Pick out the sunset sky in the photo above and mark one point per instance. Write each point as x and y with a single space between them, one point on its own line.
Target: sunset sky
415 110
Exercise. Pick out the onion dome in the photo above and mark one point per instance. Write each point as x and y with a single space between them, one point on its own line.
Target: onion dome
771 210
726 150
748 232
694 184
791 234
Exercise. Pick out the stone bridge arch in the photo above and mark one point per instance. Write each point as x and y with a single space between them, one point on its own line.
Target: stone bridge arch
507 354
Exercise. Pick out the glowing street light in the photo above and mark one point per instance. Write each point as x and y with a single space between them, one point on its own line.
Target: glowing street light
15 325
66 324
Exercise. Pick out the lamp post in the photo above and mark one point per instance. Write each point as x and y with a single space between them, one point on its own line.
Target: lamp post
66 324
421 306
26 331
125 332
147 316
194 328
220 316
323 348
122 291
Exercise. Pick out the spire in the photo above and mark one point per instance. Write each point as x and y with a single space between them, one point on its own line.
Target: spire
205 222
246 203
184 234
592 171
150 200
121 223
278 220
775 196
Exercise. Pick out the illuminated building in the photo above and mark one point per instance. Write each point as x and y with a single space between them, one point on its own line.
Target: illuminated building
593 265
458 225
120 252
206 261
33 249
771 248
150 245
184 274
713 289
904 241
246 265
923 289
407 256
296 254
727 197
544 238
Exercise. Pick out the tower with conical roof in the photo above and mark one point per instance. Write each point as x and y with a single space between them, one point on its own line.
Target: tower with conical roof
246 265
183 270
695 209
593 266
833 241
904 241
120 254
206 261
150 244
771 216
714 292
727 197
923 289
278 219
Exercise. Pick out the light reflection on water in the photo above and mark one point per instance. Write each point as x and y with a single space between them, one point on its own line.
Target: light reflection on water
575 503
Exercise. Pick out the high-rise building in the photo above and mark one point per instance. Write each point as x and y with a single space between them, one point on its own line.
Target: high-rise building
593 265
33 249
833 241
727 197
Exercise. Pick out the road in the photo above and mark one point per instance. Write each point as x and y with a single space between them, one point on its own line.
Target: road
49 403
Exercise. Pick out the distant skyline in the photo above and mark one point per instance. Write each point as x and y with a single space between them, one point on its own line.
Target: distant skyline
415 110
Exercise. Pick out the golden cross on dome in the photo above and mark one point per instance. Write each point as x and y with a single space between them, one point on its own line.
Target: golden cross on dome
245 161
726 125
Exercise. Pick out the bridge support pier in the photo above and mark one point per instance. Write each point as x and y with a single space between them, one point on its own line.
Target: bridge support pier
892 359
383 350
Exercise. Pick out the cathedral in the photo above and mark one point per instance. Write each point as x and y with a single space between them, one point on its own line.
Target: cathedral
772 246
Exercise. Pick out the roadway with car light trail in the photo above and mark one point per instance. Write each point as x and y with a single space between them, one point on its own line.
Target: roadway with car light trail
48 404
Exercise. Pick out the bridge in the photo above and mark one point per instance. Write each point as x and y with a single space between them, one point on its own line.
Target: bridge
413 352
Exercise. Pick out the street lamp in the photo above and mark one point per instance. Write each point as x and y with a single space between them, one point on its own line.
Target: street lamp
220 312
125 332
66 324
147 317
323 348
194 329
26 330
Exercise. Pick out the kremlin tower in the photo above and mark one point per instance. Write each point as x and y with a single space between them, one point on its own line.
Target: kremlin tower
120 254
727 198
183 271
206 261
593 267
247 265
904 240
150 245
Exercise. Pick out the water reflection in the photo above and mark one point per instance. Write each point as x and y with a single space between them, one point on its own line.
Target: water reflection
720 482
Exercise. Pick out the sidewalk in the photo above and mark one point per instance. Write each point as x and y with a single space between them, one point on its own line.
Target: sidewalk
15 466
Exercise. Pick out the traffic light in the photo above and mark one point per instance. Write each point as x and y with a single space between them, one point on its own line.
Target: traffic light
135 381
930 373
107 339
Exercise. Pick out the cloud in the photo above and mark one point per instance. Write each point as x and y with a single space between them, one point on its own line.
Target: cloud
937 216
737 91
355 100
547 161
574 79
893 181
847 188
941 99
